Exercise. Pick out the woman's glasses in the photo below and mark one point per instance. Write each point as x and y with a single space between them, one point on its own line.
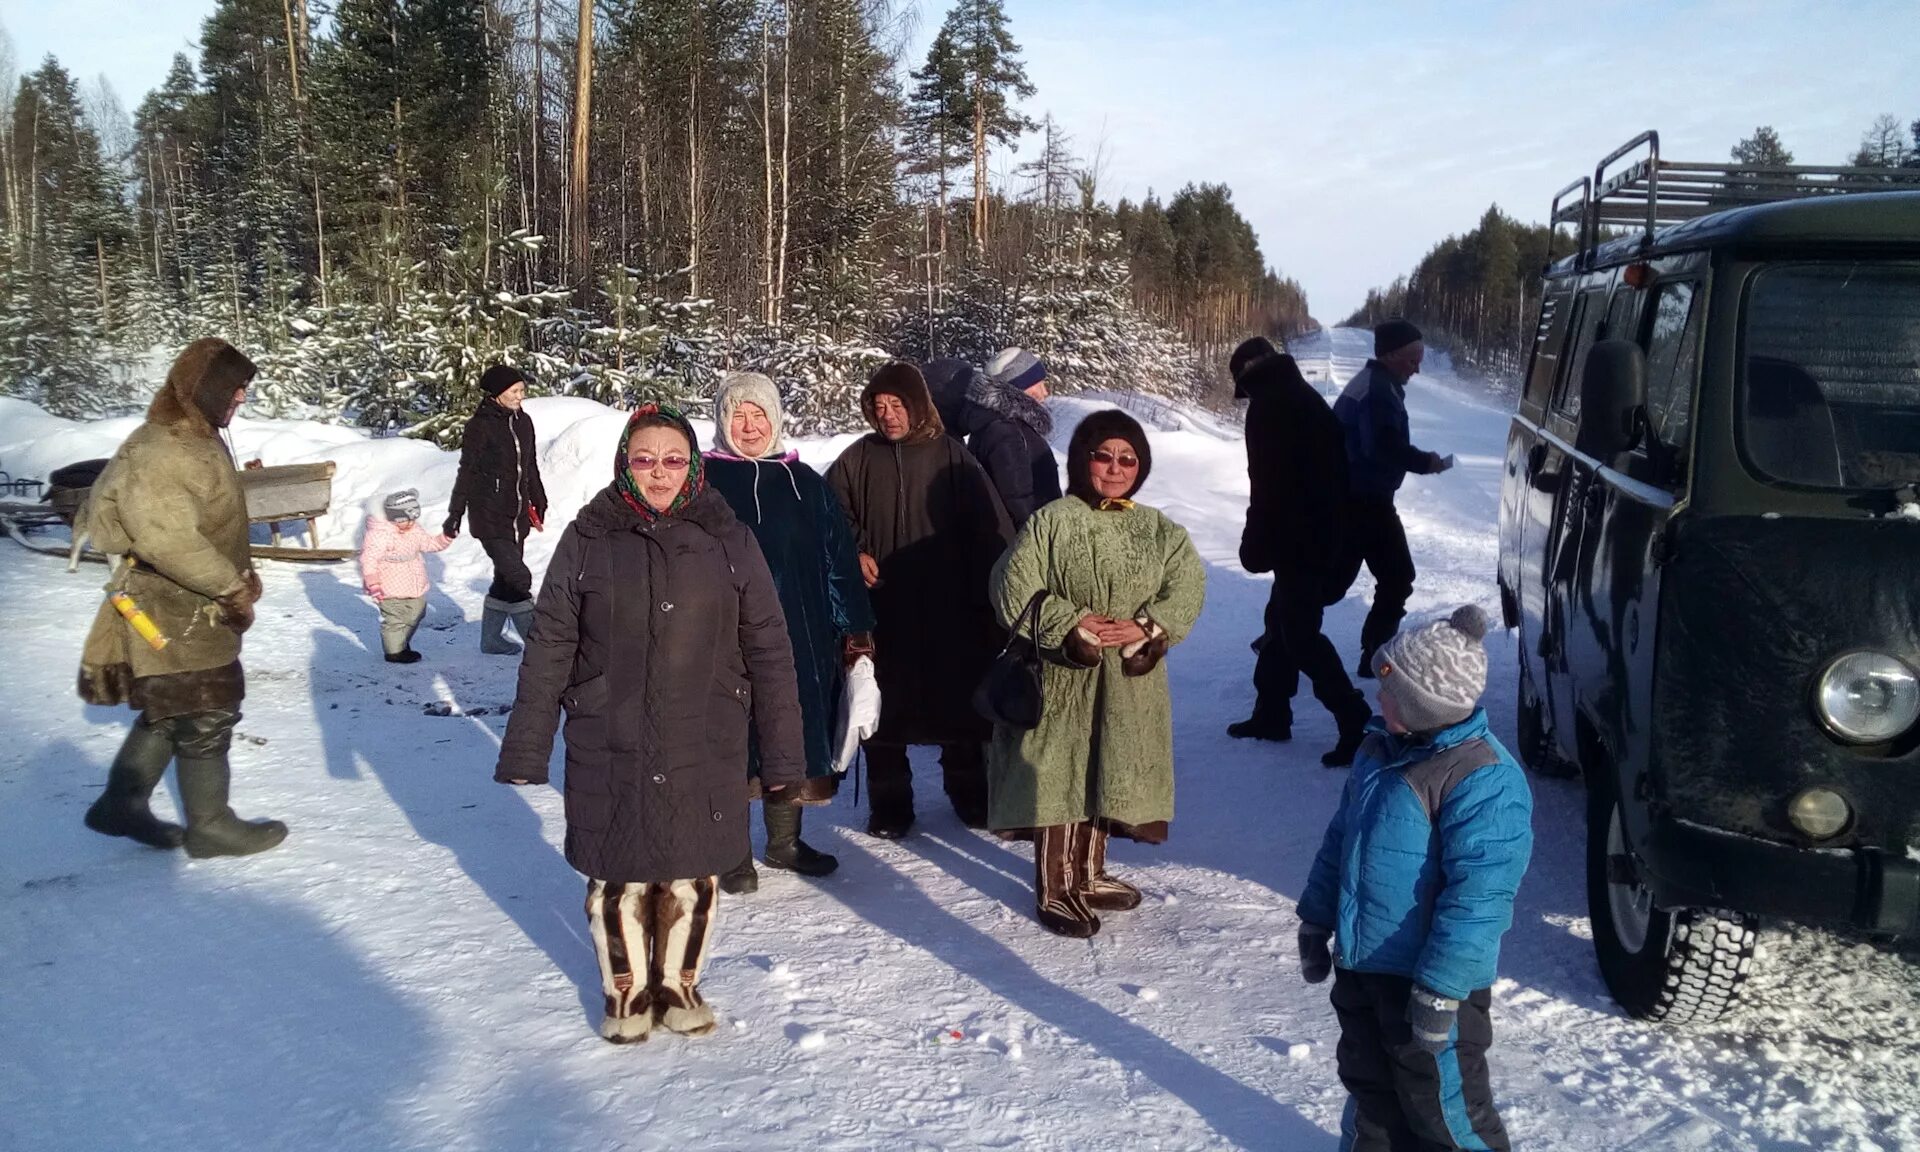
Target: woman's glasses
646 463
1124 459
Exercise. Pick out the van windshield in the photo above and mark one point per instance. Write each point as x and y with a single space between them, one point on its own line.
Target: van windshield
1830 384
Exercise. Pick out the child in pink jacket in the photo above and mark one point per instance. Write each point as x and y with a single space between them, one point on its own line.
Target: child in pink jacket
394 573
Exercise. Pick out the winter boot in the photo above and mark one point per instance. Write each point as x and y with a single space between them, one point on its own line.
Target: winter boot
1353 730
493 623
890 776
212 828
680 1008
1058 904
742 880
405 656
1264 724
1101 892
629 1029
122 809
785 849
522 617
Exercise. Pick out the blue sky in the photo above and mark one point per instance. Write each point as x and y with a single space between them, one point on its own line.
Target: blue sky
1354 135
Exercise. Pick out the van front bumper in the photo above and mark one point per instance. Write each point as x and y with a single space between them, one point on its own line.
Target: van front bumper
1863 888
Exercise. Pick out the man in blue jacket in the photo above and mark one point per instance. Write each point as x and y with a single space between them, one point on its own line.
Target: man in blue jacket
1415 883
1380 453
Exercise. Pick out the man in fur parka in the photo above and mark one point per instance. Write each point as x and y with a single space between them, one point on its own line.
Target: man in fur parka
929 529
170 502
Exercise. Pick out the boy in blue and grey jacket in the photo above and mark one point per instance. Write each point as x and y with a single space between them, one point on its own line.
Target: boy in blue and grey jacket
1414 884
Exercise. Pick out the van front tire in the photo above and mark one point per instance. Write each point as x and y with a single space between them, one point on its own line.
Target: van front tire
1684 966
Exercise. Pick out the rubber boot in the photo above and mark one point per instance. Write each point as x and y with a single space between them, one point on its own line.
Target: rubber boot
1263 725
493 623
122 810
212 828
785 850
1353 731
742 880
522 617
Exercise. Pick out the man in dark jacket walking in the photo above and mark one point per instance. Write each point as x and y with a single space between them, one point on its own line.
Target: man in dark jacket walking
1003 417
1297 475
929 529
1380 453
499 489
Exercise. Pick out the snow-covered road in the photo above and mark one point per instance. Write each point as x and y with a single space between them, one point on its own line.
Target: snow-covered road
411 970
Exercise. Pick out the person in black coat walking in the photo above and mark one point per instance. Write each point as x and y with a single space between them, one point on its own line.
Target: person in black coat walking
660 633
499 491
1002 416
1297 476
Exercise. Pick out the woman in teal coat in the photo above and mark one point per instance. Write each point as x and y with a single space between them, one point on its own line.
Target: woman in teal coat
1123 584
808 542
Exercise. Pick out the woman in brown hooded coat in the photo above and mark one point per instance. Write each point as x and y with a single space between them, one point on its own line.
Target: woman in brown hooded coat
170 502
659 631
929 528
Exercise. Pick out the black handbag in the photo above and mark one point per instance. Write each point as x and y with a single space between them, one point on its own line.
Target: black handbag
1009 694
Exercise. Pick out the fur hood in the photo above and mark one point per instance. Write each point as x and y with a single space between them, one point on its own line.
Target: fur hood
748 388
902 379
200 385
1011 403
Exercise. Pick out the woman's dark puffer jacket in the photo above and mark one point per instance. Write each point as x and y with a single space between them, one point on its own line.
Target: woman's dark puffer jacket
662 639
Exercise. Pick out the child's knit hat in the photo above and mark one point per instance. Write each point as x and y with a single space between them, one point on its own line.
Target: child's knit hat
402 505
1436 673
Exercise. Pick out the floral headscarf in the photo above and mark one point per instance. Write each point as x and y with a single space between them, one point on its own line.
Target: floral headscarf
696 481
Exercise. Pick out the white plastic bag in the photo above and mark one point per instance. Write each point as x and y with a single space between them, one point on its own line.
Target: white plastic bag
859 712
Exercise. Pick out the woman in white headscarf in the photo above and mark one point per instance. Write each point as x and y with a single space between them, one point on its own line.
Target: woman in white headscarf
809 545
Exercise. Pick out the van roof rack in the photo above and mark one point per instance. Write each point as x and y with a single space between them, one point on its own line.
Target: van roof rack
1650 192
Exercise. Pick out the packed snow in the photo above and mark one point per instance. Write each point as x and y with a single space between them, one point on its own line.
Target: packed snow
412 970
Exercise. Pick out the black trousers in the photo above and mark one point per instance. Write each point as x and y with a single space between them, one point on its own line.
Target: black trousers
1294 645
1402 1098
963 770
512 581
1379 540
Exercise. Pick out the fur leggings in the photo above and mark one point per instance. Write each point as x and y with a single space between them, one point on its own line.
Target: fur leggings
652 940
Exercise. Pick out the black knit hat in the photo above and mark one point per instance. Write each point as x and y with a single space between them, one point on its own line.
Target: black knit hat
499 378
1095 430
1392 335
1251 351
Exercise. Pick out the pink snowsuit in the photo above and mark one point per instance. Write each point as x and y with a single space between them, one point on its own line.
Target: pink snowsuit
390 560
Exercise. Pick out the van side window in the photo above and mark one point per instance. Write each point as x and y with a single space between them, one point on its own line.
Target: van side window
1592 312
1673 354
1548 339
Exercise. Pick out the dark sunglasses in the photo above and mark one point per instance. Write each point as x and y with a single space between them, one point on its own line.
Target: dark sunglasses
646 463
1125 459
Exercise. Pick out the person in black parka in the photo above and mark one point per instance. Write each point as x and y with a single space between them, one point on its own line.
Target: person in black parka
499 491
929 528
1297 480
660 634
1003 417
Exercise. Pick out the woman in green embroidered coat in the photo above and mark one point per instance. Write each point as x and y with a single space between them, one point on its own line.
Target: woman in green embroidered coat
1123 584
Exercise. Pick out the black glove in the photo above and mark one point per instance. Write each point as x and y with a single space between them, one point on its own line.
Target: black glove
451 527
1432 1016
1316 957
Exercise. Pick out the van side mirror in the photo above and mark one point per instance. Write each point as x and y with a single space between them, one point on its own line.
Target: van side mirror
1613 399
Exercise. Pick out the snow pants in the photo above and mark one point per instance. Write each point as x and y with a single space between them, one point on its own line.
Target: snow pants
1402 1098
651 940
399 620
1378 539
963 770
512 579
1295 644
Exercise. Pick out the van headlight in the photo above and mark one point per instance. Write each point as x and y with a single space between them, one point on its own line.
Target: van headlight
1868 698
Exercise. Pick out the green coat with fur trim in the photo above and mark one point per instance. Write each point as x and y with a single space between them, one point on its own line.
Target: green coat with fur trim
1104 747
171 502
